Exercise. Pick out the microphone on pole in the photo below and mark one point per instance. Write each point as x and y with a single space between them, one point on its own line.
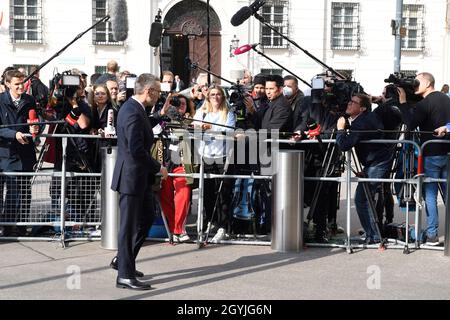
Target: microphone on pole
156 31
32 118
119 19
245 48
246 12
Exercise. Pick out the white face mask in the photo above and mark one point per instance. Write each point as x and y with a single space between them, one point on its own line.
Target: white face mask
288 92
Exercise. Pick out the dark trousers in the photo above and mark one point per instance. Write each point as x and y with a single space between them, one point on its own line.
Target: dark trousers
136 217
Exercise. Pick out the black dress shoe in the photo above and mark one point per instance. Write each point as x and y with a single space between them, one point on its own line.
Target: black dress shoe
114 266
132 284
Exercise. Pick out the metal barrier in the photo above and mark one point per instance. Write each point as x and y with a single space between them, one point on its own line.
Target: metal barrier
47 209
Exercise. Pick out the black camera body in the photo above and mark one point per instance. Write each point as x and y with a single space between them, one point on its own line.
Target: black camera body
237 94
407 83
65 85
335 93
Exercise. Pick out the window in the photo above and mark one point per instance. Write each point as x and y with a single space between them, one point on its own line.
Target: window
409 73
276 13
345 26
278 72
348 73
100 69
102 34
25 21
412 21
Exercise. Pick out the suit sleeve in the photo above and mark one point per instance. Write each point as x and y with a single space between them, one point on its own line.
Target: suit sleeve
283 114
134 132
346 141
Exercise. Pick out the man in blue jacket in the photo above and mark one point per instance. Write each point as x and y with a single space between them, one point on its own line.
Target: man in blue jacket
17 153
133 178
375 158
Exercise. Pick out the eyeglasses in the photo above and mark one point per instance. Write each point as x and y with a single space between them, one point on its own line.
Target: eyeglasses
100 93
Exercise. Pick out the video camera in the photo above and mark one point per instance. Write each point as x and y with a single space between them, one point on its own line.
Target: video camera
237 94
336 93
65 85
407 83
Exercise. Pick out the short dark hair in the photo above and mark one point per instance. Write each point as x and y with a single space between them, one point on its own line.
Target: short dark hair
364 101
13 74
289 77
275 78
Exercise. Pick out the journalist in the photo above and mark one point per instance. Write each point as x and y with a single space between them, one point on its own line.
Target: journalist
375 158
430 113
16 151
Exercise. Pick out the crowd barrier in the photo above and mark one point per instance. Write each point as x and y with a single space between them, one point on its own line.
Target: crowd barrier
45 207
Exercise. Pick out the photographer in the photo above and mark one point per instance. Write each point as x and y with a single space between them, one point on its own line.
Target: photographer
391 117
16 151
175 194
70 106
430 113
323 114
375 158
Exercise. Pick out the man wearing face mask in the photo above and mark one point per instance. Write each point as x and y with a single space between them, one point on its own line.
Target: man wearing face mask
291 91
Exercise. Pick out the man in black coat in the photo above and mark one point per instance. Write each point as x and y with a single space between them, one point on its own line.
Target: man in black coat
375 158
133 176
17 152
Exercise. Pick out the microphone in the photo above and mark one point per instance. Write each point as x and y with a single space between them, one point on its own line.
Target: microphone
110 130
119 19
73 117
156 31
314 131
245 48
32 118
246 12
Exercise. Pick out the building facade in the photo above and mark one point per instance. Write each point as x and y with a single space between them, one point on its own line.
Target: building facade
351 36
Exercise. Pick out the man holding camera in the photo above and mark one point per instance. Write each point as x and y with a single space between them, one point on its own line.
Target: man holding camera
375 158
430 113
17 152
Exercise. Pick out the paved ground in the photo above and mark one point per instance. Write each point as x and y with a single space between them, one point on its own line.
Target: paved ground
42 270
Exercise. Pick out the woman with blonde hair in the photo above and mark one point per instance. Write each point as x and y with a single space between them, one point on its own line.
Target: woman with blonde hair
215 112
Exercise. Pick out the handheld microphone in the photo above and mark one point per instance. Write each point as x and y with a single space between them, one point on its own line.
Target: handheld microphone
245 48
156 31
119 19
246 12
110 130
314 131
32 118
73 117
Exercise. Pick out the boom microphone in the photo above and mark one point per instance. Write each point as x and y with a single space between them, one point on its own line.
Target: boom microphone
119 19
246 12
156 31
245 48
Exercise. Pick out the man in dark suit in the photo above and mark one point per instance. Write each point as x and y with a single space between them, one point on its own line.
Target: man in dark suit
133 177
17 152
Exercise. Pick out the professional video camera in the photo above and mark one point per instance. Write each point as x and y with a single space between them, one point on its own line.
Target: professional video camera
407 83
65 85
237 94
336 93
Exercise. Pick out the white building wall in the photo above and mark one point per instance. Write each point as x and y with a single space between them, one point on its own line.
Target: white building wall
310 27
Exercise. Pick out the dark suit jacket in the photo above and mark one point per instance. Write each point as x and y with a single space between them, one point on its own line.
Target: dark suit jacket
13 155
278 116
135 168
